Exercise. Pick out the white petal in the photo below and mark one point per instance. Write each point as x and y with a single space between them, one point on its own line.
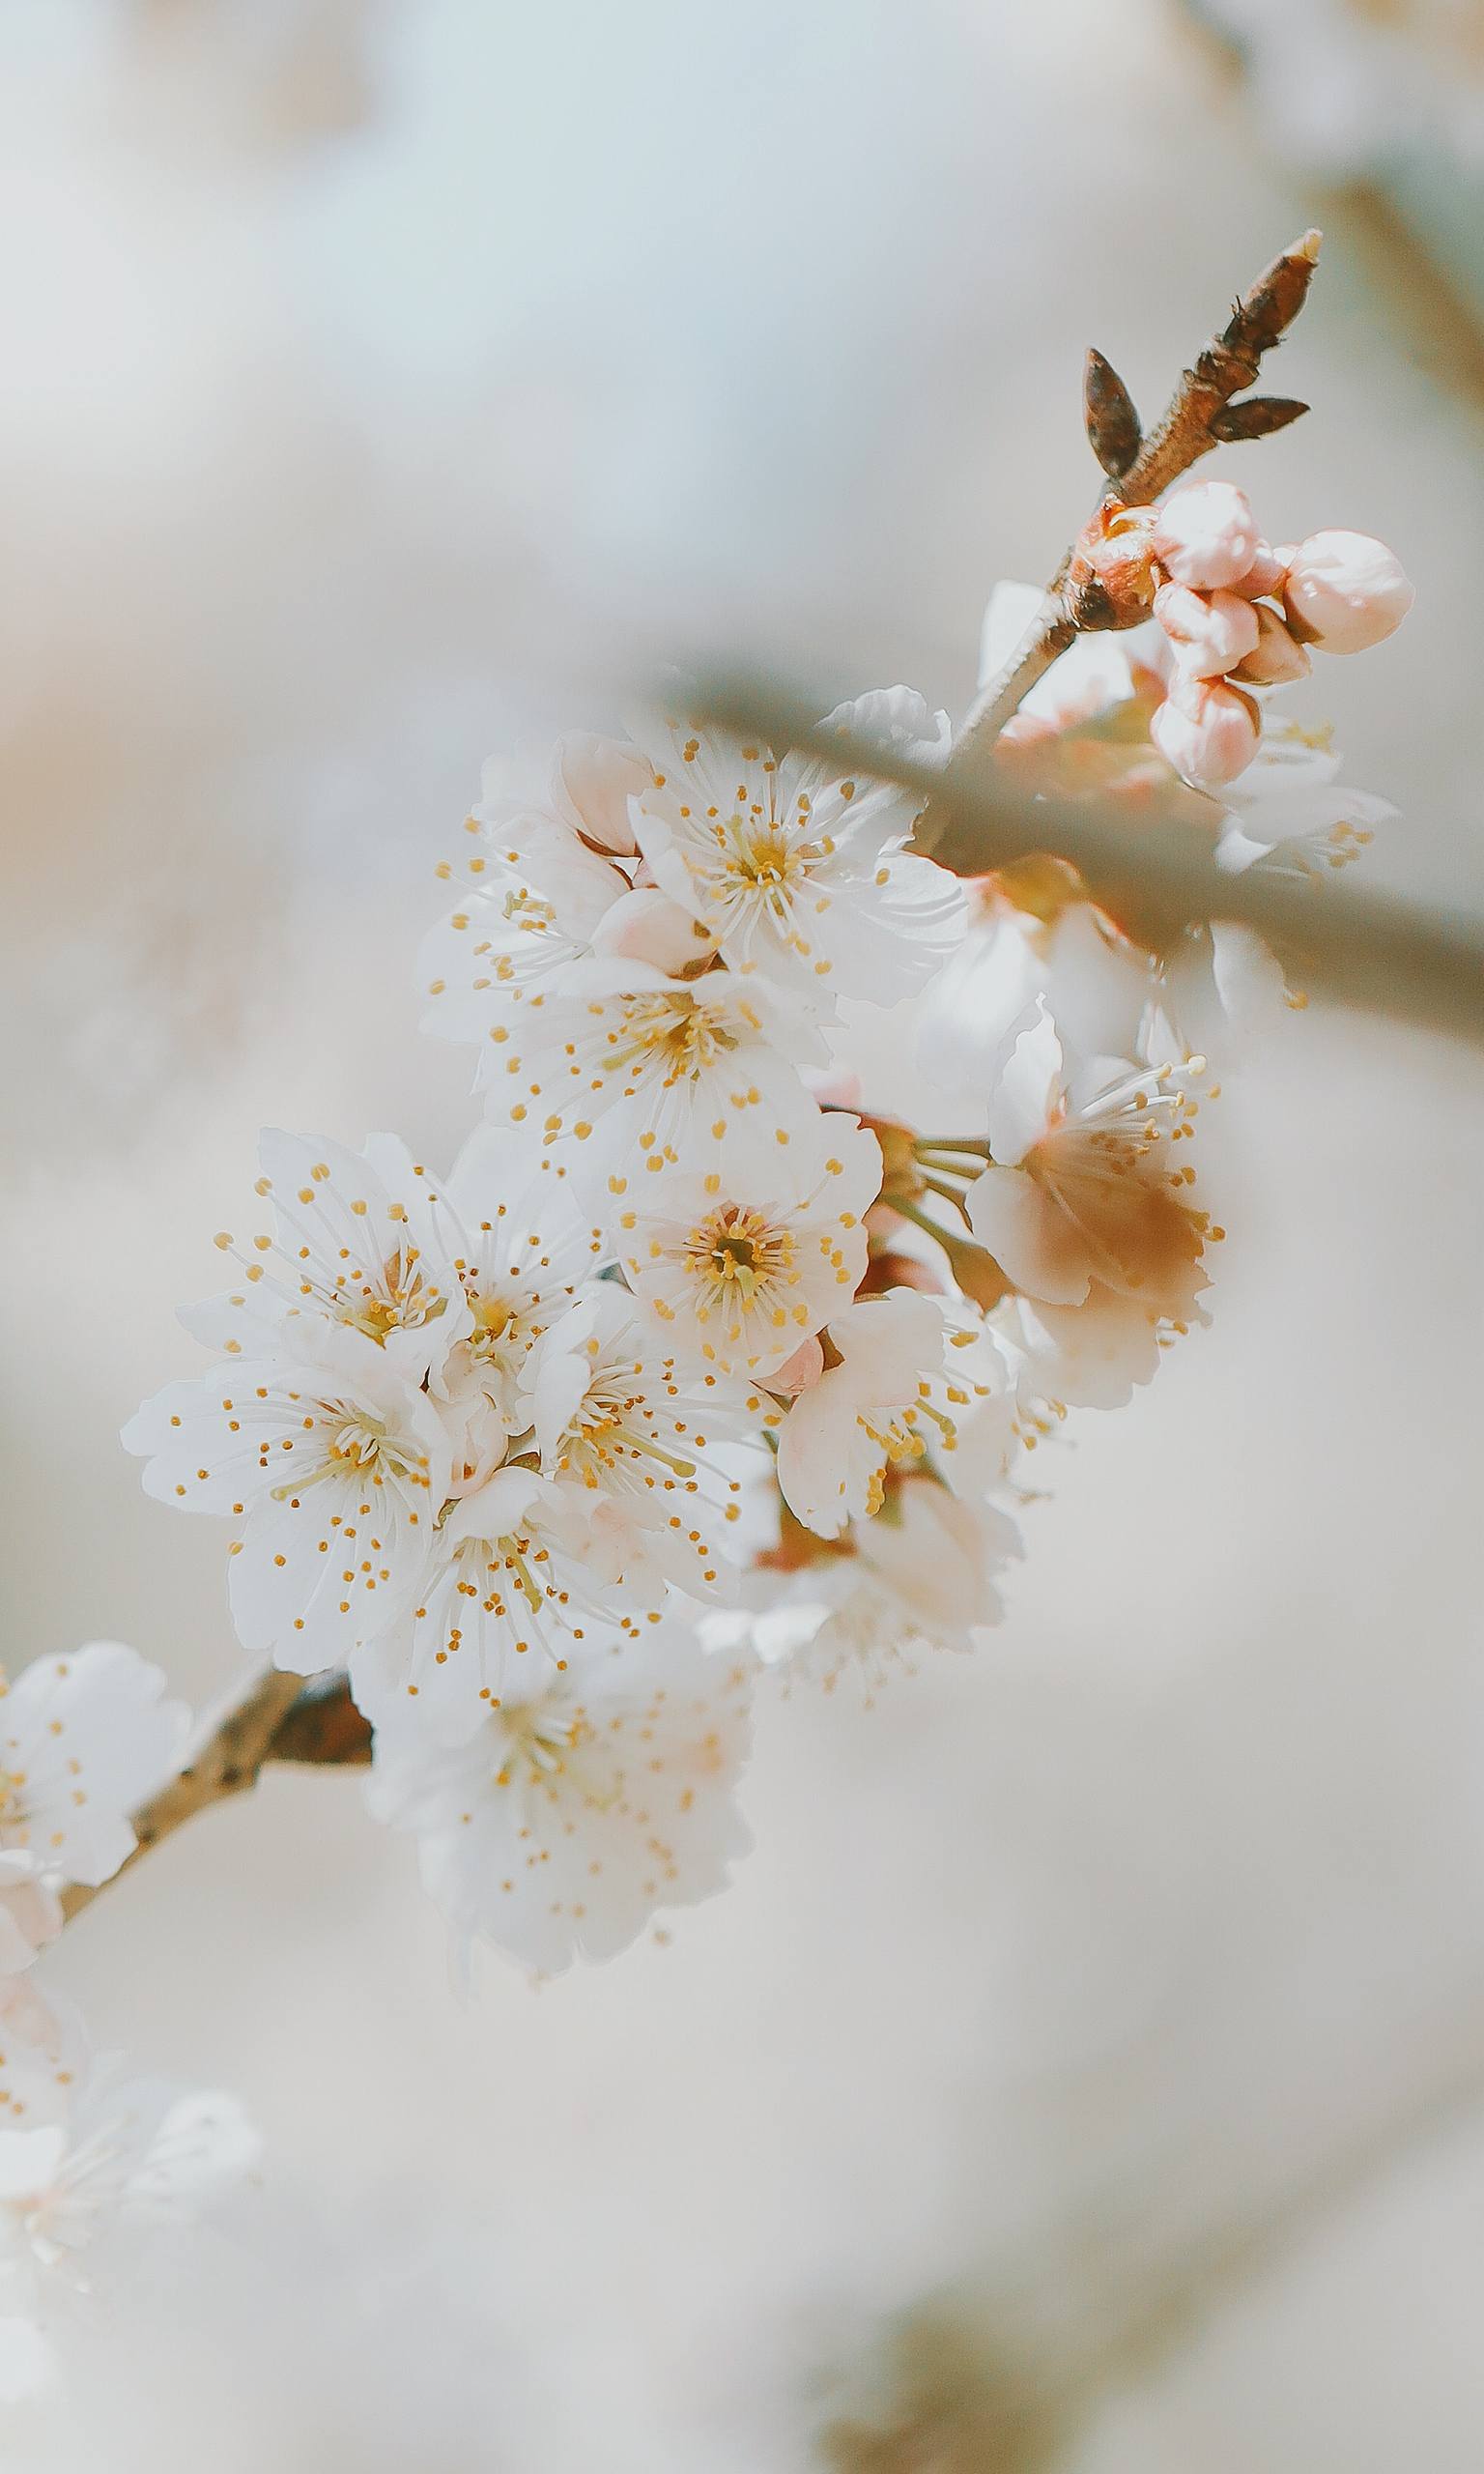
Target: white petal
1020 1108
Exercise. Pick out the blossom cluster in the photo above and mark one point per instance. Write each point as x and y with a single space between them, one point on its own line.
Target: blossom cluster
1239 614
704 1358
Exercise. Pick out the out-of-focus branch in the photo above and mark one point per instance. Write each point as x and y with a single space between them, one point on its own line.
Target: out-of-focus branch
975 2378
1368 951
278 1718
1050 635
1200 416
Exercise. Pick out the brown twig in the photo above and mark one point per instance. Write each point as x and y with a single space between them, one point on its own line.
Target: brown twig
1368 951
227 1764
1196 418
1199 416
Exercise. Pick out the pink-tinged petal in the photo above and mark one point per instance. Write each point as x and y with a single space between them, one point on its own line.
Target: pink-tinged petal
592 782
1278 659
799 1372
647 927
1205 535
1034 1243
1211 632
1265 575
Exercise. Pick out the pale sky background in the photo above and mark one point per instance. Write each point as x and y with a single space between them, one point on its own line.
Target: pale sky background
393 379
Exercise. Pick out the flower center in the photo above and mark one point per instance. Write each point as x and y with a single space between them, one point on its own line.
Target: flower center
493 1318
614 1430
541 1740
735 1254
671 1032
763 857
759 856
403 1300
359 1444
523 910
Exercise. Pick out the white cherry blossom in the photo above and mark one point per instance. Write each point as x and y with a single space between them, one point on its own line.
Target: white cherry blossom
519 1245
647 1071
531 894
969 1413
940 1556
649 1454
345 1250
1091 1356
1291 809
799 872
1083 1183
1100 988
921 1575
864 1413
1219 986
738 1271
509 1589
335 1471
78 2194
83 1738
588 1801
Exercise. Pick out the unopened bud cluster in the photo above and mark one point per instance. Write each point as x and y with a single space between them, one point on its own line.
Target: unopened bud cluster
1238 613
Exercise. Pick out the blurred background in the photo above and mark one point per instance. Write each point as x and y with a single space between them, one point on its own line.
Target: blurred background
1087 2071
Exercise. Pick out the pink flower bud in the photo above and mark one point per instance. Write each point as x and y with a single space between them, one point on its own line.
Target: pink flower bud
1211 632
1208 731
647 927
1345 592
1205 535
1278 660
1265 574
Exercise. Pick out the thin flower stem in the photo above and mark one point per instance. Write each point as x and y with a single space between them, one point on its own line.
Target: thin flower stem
938 1164
1002 696
923 1220
937 1185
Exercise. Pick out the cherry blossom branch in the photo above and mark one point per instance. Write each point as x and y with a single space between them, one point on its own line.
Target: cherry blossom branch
1371 952
1199 416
